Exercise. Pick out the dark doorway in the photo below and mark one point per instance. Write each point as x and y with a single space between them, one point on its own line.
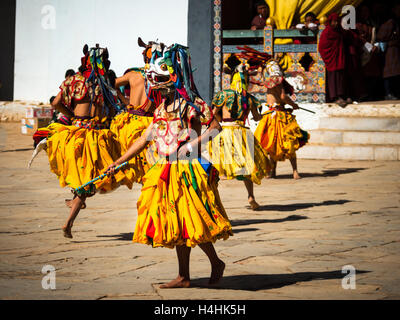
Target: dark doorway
237 14
7 52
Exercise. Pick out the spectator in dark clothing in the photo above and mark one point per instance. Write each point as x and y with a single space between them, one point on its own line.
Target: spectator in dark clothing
371 56
259 21
355 88
332 49
389 33
311 22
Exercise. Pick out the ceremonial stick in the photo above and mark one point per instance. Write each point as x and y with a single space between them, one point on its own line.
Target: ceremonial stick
289 109
100 177
306 110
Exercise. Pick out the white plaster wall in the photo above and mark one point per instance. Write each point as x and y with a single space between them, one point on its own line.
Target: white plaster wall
43 55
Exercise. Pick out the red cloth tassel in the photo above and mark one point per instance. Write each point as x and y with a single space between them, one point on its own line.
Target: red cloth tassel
151 229
185 233
39 135
165 175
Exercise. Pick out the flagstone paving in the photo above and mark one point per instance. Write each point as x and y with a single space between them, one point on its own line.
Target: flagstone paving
341 213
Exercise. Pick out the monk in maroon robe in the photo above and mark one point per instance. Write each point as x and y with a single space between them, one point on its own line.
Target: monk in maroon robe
332 49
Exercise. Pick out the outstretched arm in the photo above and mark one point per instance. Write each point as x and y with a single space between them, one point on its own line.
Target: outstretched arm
287 100
212 131
279 94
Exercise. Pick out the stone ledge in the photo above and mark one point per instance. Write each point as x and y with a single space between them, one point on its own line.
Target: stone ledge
366 109
323 152
354 137
360 124
379 109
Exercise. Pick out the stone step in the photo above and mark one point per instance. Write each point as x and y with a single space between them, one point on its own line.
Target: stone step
359 124
349 152
354 137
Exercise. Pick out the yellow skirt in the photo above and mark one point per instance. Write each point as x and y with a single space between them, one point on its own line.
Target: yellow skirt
235 153
78 155
180 205
280 135
127 129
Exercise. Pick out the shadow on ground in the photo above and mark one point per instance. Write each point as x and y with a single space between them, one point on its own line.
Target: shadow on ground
116 237
324 173
236 223
17 150
129 236
255 282
300 206
236 231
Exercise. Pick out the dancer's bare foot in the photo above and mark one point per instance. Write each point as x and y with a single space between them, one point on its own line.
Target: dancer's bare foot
296 175
67 232
253 204
217 272
68 203
179 282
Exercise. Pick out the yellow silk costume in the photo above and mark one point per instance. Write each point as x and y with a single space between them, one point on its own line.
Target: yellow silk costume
128 127
78 154
82 151
235 153
279 134
179 203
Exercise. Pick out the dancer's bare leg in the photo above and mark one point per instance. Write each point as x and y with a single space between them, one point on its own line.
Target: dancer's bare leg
250 191
272 174
293 162
183 279
217 265
68 203
75 208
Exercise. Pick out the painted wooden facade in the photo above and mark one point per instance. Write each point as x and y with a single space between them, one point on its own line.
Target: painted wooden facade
312 86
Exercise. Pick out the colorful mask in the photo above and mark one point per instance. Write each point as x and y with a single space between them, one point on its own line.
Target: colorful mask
156 70
95 69
269 68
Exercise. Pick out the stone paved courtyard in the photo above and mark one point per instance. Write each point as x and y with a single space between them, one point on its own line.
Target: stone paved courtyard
341 213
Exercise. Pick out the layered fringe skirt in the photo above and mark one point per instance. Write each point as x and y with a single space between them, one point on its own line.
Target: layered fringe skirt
235 153
280 135
127 128
180 205
77 155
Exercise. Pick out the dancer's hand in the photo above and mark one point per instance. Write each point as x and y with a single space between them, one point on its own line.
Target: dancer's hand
111 169
185 151
295 106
